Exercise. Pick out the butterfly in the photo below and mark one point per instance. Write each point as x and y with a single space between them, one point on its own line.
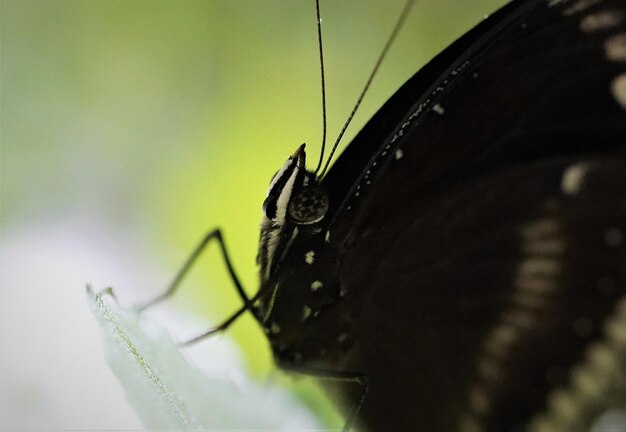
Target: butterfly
461 265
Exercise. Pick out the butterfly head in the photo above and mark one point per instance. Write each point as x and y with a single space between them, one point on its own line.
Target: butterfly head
295 202
293 195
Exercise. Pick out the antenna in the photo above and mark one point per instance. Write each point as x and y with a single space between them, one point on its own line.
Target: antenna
319 43
394 33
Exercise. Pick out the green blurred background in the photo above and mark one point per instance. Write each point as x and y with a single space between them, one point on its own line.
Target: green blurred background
131 128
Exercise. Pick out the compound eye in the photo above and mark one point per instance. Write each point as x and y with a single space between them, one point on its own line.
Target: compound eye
269 207
308 205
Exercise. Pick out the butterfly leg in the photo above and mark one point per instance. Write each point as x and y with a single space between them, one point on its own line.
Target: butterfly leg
212 235
362 380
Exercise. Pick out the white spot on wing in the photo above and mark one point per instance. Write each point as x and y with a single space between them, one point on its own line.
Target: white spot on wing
399 154
520 316
541 230
552 3
615 48
578 6
618 90
572 178
309 257
479 401
306 312
316 285
539 266
438 109
535 282
490 368
498 344
601 21
547 246
342 337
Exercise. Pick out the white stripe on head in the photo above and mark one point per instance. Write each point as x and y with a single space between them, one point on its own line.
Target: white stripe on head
285 195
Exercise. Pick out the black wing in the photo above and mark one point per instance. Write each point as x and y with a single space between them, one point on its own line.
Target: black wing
482 306
483 244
